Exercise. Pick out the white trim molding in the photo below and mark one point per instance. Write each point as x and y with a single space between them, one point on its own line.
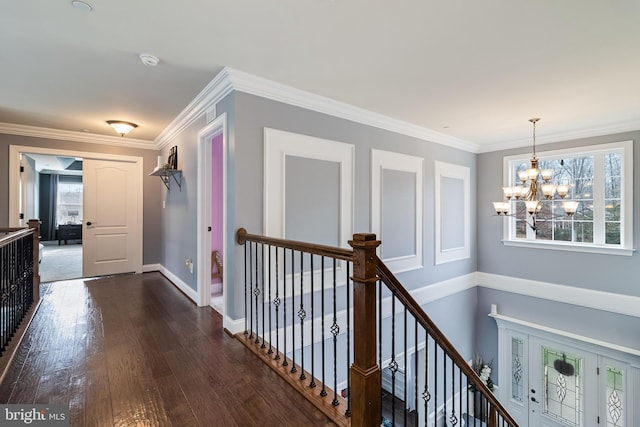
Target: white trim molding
229 80
386 160
67 135
463 173
182 286
599 300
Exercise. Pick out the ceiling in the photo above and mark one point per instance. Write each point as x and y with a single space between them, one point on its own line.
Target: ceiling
476 71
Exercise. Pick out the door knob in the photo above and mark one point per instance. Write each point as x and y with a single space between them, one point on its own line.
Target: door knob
89 223
533 399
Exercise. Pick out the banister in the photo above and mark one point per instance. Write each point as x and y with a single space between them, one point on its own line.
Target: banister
368 275
414 308
329 251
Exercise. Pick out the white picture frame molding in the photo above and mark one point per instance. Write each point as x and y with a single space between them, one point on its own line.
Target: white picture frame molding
278 145
387 160
448 170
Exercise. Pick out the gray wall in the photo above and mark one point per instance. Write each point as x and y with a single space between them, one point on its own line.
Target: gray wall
152 231
252 114
607 273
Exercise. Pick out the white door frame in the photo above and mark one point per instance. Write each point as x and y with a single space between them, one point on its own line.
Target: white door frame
205 137
14 182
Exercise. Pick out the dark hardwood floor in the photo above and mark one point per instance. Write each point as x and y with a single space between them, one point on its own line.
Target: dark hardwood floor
132 350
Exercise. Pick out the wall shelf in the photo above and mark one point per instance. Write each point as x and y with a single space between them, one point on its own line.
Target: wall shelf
166 174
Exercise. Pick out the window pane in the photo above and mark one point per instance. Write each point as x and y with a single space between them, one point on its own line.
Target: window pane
612 233
612 210
543 230
69 209
583 232
563 231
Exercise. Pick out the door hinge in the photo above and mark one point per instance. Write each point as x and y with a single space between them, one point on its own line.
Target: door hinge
208 228
21 216
21 169
598 370
598 419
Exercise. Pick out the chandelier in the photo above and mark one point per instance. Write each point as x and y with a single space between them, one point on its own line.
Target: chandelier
534 188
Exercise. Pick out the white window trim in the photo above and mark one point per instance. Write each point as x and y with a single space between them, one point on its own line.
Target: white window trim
626 213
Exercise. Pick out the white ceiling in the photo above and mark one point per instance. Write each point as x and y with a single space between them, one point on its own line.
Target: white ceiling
474 70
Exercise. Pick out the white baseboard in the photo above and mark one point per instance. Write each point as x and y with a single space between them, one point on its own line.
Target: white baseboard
233 326
178 283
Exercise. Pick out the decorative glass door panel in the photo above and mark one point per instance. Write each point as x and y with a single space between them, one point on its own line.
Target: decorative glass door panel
614 395
562 393
560 380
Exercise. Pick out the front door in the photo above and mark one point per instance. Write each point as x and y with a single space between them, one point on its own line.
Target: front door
563 386
110 233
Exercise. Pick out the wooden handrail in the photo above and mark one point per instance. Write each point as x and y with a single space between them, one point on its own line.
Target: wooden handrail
13 234
414 308
368 270
339 253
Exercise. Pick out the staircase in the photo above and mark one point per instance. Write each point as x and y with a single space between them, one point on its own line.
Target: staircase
343 331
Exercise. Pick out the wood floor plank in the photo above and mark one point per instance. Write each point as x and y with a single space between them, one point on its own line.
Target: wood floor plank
133 350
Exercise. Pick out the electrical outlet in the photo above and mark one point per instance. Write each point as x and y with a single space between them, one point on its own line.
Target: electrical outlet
189 265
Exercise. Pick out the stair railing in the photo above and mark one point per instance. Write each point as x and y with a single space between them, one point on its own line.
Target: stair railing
19 277
341 329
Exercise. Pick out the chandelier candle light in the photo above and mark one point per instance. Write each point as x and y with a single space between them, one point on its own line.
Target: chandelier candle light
534 187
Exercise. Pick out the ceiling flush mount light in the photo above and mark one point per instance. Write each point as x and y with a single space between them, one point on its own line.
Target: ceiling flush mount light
535 187
149 60
85 7
121 127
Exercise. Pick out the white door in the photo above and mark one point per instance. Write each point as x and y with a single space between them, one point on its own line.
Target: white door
563 386
110 231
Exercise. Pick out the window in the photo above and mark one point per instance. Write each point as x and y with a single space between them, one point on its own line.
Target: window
69 203
601 180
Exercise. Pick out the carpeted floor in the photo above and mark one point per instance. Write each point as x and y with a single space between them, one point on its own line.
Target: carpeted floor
62 262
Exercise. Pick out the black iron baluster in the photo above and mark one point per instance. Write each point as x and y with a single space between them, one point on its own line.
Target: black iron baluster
284 305
444 385
277 302
270 351
251 290
323 392
435 378
415 369
380 323
256 292
393 365
404 414
246 281
293 312
453 419
335 330
262 293
312 384
302 314
348 396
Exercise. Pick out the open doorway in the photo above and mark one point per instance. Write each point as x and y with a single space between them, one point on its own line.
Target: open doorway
51 190
212 238
110 221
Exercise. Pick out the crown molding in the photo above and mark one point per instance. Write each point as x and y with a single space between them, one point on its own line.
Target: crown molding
215 91
67 135
609 129
229 80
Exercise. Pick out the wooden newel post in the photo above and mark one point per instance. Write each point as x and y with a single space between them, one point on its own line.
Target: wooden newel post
35 225
365 393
